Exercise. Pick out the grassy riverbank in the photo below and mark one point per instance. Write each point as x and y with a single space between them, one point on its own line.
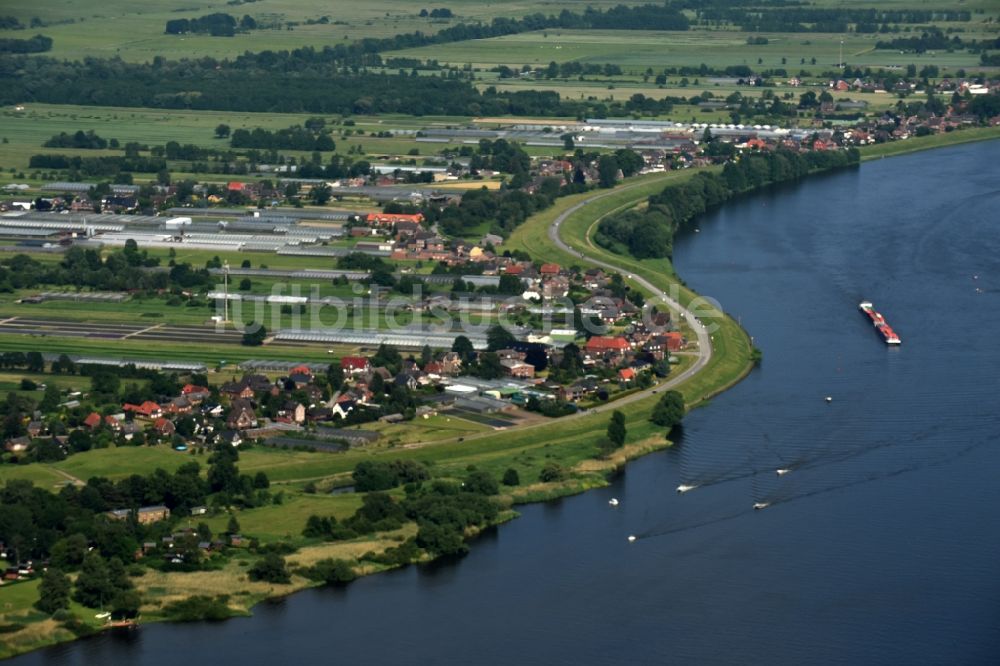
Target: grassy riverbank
916 144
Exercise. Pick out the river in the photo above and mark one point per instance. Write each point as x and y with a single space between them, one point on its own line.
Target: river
880 545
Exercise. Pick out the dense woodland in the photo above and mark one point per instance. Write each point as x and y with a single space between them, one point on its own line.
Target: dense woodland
649 233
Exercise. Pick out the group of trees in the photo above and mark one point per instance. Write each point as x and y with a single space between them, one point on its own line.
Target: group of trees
783 16
216 25
443 511
70 530
501 155
36 44
649 233
624 160
120 270
372 475
78 139
438 13
107 165
292 138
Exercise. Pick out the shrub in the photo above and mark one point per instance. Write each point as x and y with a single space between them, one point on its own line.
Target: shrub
552 472
198 608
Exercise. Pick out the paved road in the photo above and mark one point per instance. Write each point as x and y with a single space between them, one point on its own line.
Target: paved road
704 352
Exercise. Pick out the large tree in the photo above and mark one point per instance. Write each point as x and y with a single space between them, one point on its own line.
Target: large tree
669 411
463 347
53 592
254 334
93 585
616 428
498 337
607 170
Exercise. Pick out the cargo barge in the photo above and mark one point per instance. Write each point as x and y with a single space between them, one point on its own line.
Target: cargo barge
881 325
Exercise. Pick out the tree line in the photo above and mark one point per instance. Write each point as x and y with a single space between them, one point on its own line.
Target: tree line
313 87
108 165
218 24
291 138
790 18
120 270
36 44
649 233
79 139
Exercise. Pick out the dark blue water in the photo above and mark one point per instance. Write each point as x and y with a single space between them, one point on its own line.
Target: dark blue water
880 546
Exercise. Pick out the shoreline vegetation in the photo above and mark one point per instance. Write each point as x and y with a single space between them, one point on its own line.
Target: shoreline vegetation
228 592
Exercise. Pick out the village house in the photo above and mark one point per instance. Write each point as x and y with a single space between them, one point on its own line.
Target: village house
577 390
342 406
292 412
195 394
241 416
230 437
17 444
451 363
145 514
148 410
600 344
164 427
518 369
355 365
390 219
179 405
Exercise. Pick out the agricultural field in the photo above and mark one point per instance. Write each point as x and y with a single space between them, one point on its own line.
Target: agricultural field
24 132
135 32
635 51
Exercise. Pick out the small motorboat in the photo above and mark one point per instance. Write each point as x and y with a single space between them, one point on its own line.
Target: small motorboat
613 501
829 398
684 488
782 472
761 505
631 538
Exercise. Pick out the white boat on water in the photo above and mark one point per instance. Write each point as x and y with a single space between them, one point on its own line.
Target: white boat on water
761 505
684 488
613 501
631 538
782 472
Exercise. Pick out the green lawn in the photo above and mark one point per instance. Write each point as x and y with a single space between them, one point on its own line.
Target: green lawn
285 521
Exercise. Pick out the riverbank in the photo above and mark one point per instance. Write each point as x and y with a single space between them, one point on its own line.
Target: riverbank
919 143
583 477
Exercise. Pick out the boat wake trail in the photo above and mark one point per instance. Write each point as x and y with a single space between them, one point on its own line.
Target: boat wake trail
783 496
650 534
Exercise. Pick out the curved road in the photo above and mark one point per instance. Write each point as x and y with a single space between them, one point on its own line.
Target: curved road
704 339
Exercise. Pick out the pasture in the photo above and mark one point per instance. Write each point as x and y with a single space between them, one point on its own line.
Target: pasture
135 31
24 132
635 51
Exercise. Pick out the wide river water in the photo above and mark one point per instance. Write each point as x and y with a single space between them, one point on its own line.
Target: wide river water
880 546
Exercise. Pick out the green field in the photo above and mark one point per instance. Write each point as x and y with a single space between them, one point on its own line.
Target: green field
135 31
636 50
25 131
